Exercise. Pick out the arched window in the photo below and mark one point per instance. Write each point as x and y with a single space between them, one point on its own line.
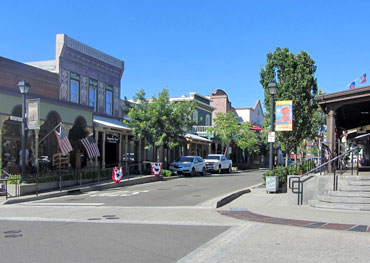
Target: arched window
195 116
208 120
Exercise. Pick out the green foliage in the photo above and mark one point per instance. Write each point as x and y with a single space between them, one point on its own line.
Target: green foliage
294 76
283 172
247 138
14 179
158 120
166 173
226 127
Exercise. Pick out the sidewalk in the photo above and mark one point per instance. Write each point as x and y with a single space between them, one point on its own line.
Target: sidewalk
259 206
79 189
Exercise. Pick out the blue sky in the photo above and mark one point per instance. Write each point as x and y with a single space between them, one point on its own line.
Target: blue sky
194 45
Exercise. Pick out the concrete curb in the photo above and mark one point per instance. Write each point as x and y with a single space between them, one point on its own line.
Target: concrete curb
231 197
82 189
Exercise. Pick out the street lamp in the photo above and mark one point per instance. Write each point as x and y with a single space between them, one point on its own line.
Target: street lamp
273 89
23 88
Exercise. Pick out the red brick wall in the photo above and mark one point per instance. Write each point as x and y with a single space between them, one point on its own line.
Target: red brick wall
42 82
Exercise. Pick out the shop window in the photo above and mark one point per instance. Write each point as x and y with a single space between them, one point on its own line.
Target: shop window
74 87
93 85
109 100
195 116
208 120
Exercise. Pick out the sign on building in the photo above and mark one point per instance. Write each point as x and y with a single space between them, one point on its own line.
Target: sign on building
112 137
284 115
33 113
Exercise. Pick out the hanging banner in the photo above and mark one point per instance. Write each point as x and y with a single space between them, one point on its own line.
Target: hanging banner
156 169
33 113
284 115
117 174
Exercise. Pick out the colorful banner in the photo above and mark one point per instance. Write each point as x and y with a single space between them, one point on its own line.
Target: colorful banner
117 175
156 169
284 115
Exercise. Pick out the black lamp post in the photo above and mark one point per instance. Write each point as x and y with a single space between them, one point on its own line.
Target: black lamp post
23 88
273 89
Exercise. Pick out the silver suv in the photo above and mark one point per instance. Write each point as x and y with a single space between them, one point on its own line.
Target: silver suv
189 165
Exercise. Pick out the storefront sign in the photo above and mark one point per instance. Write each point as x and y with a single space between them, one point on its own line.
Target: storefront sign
33 114
112 137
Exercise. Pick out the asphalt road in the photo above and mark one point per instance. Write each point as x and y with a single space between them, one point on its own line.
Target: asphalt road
45 242
156 222
183 191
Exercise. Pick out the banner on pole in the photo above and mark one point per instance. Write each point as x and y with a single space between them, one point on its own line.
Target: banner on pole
284 115
33 114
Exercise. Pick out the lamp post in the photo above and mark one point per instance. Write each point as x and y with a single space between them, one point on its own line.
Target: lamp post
23 88
273 89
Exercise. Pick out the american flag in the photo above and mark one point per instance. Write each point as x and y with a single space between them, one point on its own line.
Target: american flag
90 147
363 78
64 144
352 85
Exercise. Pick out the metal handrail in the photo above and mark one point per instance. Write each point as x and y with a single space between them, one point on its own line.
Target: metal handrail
299 182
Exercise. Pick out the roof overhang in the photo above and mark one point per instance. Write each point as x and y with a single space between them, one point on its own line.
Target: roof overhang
110 123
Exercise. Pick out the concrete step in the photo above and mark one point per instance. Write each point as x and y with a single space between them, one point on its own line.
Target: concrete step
341 206
359 182
354 188
349 194
343 200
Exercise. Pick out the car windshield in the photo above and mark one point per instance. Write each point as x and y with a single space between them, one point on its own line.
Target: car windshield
213 157
185 159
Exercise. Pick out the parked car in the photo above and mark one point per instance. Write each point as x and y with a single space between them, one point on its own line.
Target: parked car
218 163
189 165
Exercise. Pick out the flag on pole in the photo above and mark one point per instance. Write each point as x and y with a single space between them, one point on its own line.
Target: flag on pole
352 85
363 78
90 147
64 144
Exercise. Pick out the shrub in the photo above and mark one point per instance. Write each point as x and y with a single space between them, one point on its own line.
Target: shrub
14 179
166 173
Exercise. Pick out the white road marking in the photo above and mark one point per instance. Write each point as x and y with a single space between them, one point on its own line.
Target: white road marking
61 204
116 193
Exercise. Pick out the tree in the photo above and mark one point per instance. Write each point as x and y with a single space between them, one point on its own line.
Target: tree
158 120
247 139
226 127
294 76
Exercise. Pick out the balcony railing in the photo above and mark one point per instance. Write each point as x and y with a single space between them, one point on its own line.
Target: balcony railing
200 129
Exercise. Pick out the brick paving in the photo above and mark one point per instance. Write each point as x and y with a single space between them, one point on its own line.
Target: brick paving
249 216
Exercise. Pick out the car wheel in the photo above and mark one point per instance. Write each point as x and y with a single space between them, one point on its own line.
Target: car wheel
230 169
204 171
219 169
192 172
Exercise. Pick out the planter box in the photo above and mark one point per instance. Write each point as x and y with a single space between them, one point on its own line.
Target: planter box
272 184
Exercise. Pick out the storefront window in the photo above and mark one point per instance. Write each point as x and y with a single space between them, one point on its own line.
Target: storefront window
74 87
93 85
92 97
109 100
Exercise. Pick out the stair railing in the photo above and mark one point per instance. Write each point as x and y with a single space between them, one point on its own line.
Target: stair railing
296 182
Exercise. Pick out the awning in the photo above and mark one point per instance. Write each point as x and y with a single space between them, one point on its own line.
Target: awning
112 123
196 137
256 128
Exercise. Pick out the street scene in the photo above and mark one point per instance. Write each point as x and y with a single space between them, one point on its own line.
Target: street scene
184 131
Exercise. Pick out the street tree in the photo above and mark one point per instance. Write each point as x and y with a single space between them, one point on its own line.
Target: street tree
247 139
158 120
226 127
294 76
